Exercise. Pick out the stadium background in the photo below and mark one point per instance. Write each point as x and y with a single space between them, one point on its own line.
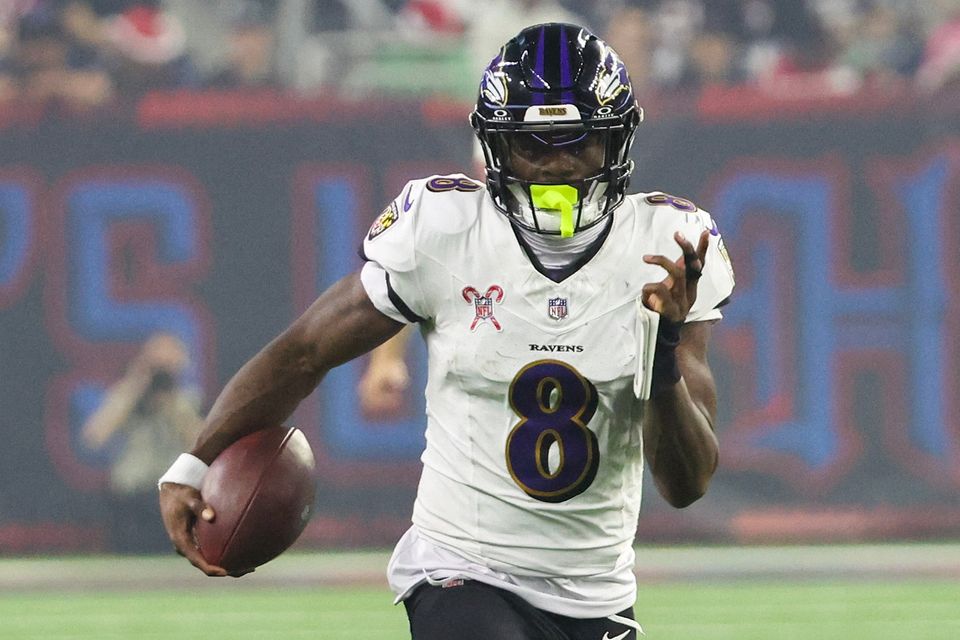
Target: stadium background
218 211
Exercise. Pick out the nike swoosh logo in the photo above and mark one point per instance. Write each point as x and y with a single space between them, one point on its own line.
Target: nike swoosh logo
407 202
606 636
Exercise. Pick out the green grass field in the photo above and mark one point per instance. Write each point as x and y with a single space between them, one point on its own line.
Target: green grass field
152 598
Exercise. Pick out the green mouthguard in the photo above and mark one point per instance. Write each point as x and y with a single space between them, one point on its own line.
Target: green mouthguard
558 197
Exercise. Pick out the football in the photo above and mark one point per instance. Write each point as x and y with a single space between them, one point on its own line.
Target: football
262 489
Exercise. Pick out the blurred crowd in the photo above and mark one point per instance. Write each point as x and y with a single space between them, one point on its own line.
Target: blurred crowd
81 54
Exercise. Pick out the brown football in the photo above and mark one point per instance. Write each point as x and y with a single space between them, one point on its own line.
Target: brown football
262 489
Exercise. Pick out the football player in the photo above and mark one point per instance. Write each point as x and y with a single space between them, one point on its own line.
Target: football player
566 325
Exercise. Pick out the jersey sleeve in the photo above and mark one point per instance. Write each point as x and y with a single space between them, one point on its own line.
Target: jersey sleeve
391 277
717 282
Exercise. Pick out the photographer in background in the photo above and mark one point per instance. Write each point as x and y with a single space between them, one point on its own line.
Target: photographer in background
157 417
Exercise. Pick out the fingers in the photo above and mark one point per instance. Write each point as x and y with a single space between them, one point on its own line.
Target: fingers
656 296
693 259
180 506
185 545
674 270
201 510
690 267
649 300
702 247
196 559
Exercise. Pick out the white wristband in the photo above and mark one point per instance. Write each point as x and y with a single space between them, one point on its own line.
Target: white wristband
186 469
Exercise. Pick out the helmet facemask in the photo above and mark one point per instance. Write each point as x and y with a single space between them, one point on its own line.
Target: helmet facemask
556 178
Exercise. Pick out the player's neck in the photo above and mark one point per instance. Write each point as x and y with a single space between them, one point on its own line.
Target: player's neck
558 257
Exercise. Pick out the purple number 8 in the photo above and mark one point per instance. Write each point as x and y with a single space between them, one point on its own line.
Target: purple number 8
453 184
554 403
680 204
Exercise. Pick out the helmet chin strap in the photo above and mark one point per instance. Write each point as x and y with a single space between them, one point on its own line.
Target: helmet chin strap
556 197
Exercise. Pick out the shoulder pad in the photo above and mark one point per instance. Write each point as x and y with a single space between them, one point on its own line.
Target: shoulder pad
424 209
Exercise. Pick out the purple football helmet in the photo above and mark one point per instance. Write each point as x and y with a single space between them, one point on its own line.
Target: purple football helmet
560 86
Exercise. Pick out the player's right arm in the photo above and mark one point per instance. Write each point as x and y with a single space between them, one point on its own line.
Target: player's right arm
352 317
339 326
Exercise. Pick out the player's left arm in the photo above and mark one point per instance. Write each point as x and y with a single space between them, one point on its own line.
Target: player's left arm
679 440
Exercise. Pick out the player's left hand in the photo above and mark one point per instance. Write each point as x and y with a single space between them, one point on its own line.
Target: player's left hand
673 296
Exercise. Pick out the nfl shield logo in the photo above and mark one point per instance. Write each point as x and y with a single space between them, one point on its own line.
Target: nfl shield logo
484 307
557 308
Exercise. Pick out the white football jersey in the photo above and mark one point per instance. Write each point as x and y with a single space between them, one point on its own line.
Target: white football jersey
533 463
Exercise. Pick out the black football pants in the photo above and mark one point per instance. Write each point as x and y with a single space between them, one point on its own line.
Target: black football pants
476 611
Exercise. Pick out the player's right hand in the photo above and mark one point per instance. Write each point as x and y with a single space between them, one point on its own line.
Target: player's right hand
180 506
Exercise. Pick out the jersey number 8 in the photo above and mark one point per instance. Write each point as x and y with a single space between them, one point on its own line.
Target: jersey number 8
554 403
